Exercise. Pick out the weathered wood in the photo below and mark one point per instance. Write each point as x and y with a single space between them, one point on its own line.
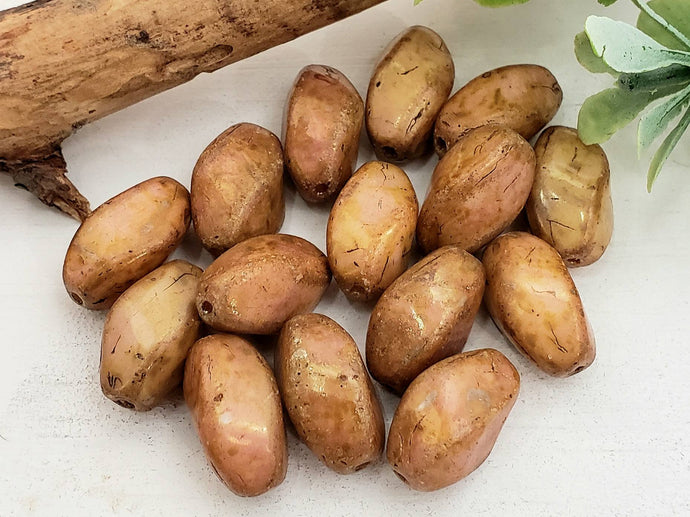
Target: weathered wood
45 177
64 63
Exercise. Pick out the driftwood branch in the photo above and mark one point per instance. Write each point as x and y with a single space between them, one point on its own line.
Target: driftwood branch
64 63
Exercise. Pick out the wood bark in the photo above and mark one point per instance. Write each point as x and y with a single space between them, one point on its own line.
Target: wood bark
64 63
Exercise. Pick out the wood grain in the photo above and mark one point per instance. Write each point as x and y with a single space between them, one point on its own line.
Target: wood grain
64 63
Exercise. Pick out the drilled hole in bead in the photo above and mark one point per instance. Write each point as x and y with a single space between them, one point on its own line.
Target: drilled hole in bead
321 189
206 307
389 152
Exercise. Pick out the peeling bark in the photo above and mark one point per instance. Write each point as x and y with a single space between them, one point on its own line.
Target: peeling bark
45 178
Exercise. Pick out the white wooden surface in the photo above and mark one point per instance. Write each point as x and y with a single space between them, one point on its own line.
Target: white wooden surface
612 440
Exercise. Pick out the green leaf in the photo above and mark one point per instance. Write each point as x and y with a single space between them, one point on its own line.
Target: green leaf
608 111
670 76
653 62
673 12
666 149
655 121
588 59
499 3
626 49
